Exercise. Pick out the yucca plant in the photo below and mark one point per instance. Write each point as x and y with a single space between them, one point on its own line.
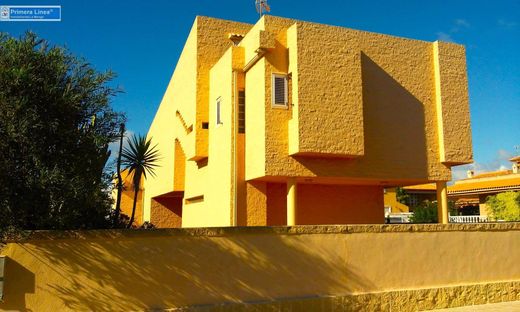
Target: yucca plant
140 158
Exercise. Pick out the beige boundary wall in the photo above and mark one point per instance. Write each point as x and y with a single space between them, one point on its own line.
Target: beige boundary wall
356 267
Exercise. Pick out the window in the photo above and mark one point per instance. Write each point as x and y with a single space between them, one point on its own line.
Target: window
279 90
241 111
219 120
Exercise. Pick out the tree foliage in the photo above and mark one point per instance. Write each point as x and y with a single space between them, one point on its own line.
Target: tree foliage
425 213
402 196
505 206
55 126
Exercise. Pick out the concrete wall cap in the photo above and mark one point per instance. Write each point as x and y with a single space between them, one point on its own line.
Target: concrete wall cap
276 230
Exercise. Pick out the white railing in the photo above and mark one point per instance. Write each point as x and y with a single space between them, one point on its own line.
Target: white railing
402 217
468 219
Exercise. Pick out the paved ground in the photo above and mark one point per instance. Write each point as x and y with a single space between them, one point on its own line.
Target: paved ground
513 306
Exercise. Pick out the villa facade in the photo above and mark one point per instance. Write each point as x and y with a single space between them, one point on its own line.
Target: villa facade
288 122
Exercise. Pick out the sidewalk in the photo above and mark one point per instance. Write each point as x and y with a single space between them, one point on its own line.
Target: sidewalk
512 306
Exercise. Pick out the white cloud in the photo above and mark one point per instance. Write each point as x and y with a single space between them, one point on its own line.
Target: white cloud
500 162
442 36
462 23
506 24
458 25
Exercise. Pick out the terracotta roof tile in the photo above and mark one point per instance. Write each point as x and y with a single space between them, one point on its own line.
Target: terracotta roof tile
512 183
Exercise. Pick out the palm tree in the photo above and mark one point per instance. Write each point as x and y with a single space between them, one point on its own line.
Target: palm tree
139 158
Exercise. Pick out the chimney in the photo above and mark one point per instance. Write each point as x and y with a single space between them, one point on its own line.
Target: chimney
516 164
470 174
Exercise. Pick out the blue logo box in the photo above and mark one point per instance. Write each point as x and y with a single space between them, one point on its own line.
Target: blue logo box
30 13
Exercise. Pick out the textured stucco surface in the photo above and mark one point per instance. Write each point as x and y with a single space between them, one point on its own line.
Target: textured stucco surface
451 94
404 301
329 108
290 267
166 212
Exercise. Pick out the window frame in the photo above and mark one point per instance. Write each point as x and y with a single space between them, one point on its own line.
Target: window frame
218 111
286 91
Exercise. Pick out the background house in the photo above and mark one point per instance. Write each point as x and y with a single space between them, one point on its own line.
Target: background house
469 195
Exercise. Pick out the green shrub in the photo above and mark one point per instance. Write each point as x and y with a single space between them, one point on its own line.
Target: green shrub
505 206
425 213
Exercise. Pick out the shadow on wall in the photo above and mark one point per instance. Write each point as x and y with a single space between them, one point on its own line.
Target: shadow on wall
166 212
158 272
393 121
395 134
18 282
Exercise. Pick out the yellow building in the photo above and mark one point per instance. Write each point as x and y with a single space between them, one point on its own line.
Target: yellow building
291 122
416 194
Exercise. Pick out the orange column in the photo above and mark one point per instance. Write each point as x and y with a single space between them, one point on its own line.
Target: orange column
291 201
442 202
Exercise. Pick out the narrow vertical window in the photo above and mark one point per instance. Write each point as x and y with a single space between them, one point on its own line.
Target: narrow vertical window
279 90
241 111
219 120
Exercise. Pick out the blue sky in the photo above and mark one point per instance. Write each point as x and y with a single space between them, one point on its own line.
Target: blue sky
141 41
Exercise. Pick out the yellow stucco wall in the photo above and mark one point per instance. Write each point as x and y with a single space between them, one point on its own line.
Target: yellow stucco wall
138 270
344 204
219 170
179 167
255 153
184 108
387 92
325 204
327 87
212 42
451 96
390 200
180 96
